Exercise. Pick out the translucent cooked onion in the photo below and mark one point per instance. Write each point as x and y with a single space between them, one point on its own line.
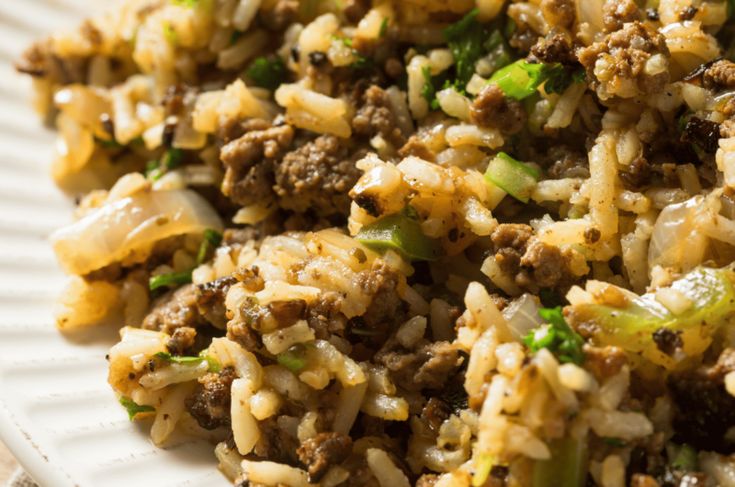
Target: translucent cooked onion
130 225
676 241
522 316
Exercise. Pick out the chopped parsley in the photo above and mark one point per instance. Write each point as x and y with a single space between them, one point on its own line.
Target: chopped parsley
134 409
557 336
172 279
171 159
212 239
267 73
465 40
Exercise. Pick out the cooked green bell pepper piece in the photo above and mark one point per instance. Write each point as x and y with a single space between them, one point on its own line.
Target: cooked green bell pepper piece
512 176
567 466
402 233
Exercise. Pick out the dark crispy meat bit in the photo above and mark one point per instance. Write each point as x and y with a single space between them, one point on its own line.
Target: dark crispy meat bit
286 313
324 315
320 453
720 75
174 310
554 48
625 54
211 300
704 133
667 340
181 341
249 163
375 116
559 13
40 61
435 412
209 405
355 10
491 108
429 367
567 163
637 175
705 411
275 443
317 176
619 12
381 282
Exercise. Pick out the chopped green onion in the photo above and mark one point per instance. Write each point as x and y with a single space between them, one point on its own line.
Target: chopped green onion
462 26
135 409
383 27
567 466
214 365
512 176
558 337
293 358
267 72
520 79
686 459
344 40
169 280
401 233
212 239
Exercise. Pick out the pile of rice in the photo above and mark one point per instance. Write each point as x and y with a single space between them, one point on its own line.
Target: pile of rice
239 164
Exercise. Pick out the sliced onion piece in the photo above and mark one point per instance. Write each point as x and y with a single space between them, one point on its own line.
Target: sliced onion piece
131 225
522 316
676 241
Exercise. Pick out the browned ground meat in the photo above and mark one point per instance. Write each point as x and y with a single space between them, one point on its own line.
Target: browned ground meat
317 176
428 367
320 453
604 362
705 411
416 147
532 263
182 340
249 162
491 108
174 310
567 163
559 13
619 12
375 116
434 413
324 315
39 61
719 76
211 300
637 175
286 313
209 405
557 47
355 10
275 443
381 282
626 52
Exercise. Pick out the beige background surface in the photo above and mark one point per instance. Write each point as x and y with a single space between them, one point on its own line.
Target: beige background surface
7 464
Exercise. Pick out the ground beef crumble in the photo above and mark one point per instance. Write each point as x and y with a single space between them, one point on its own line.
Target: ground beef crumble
174 310
491 108
428 367
209 405
320 453
617 65
720 75
616 13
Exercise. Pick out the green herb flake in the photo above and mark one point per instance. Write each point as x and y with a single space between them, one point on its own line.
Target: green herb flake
428 91
185 3
294 359
170 160
685 459
170 34
214 365
109 143
614 442
383 27
465 39
267 73
172 279
558 337
212 239
134 409
179 359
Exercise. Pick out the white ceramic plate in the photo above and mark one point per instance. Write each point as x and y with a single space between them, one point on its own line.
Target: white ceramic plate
57 414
